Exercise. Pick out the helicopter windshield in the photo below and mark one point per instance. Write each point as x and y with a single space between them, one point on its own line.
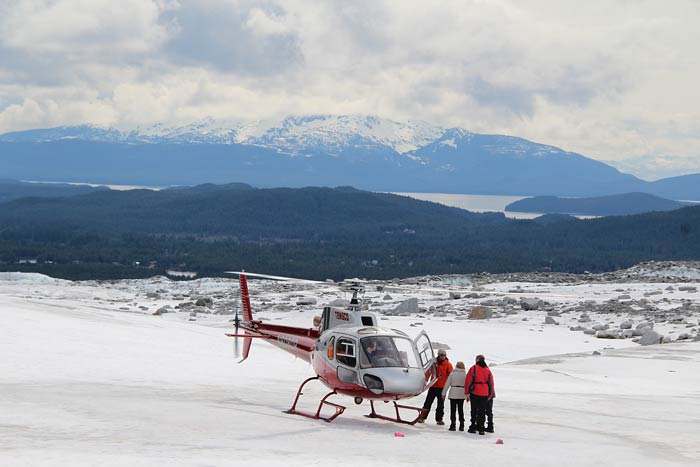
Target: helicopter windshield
386 351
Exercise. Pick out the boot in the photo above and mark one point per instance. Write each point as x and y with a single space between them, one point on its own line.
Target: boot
472 429
452 427
481 430
489 429
440 422
461 426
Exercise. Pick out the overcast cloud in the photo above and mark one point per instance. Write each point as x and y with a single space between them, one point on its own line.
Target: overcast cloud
610 79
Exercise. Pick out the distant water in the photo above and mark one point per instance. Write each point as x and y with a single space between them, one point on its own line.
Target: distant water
475 203
111 187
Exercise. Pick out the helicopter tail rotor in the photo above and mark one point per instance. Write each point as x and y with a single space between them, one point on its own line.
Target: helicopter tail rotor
239 323
236 340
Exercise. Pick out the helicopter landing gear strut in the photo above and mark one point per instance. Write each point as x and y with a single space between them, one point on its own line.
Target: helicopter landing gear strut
339 409
398 419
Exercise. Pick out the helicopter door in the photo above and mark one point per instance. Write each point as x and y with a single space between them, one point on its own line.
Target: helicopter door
425 350
346 355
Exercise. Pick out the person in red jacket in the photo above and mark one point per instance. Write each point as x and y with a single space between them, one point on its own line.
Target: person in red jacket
479 388
444 368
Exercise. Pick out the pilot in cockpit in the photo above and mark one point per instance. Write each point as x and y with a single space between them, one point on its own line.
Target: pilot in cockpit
372 348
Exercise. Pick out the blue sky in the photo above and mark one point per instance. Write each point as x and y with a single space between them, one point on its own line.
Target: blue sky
613 80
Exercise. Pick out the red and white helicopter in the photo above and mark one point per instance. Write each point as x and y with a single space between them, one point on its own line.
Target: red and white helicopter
351 354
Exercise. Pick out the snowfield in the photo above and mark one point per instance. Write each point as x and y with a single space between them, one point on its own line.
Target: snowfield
90 376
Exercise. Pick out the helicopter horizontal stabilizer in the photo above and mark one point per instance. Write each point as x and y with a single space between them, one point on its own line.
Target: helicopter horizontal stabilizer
247 341
248 336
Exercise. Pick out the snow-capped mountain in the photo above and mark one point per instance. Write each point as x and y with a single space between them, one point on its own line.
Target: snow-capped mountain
293 135
328 150
336 133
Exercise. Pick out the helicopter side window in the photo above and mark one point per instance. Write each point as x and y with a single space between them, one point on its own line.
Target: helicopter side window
331 348
425 351
345 352
326 318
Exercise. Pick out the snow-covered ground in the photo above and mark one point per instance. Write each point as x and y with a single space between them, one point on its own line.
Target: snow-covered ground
90 376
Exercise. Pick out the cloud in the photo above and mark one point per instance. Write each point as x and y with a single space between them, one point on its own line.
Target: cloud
516 99
84 29
50 108
232 37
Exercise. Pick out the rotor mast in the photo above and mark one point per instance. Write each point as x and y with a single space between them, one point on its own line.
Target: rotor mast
356 288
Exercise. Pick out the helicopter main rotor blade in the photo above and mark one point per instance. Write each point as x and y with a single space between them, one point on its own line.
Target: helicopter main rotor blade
407 288
277 278
399 288
344 282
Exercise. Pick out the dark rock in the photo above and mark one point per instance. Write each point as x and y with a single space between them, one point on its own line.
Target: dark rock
306 301
204 301
531 303
480 312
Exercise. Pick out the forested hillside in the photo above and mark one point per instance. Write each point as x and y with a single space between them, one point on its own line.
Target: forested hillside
316 233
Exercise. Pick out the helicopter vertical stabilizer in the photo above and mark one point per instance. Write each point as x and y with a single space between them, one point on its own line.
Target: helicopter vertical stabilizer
247 316
245 299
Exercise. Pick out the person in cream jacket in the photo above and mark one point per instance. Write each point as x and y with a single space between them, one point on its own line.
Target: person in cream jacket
454 390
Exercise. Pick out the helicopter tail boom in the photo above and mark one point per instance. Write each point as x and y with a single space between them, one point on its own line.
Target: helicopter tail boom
297 341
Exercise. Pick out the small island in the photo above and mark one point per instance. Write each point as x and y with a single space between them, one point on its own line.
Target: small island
612 205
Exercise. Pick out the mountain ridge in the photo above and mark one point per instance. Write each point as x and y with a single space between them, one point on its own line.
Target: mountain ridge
363 151
400 136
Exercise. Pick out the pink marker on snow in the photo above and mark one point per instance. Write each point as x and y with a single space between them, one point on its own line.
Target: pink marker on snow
499 441
398 434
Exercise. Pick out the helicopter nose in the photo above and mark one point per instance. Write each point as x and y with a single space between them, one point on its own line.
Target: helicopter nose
394 380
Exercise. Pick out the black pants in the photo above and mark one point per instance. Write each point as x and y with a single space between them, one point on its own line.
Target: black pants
435 393
489 413
457 405
478 411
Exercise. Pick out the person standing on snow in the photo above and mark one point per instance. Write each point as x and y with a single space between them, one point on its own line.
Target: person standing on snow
479 389
444 368
455 385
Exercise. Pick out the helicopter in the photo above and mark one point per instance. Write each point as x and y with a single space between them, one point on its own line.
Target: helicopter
350 353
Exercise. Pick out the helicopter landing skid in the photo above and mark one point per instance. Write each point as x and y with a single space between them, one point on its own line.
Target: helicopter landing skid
339 409
421 414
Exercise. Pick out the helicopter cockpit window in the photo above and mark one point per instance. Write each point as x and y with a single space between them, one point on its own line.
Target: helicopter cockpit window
385 351
345 352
